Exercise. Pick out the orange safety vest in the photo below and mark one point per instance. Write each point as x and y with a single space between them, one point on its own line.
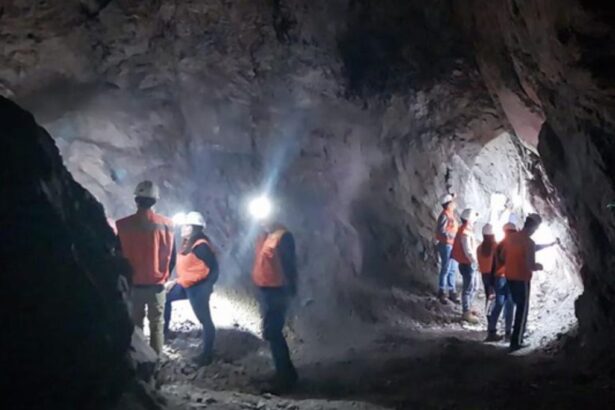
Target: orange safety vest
485 263
457 253
518 254
451 228
147 243
190 268
267 271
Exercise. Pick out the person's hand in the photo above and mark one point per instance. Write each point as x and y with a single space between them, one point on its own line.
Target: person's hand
169 285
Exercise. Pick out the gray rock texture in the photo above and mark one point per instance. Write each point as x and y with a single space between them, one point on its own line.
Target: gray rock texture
66 330
553 60
357 116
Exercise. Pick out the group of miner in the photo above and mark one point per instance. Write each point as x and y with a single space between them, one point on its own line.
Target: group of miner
147 242
506 269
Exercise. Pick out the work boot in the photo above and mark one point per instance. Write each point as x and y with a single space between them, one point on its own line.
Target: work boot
454 298
493 337
442 297
281 384
470 318
202 360
515 347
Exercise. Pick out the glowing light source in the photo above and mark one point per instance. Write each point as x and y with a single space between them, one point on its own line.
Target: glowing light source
179 218
547 257
260 208
499 214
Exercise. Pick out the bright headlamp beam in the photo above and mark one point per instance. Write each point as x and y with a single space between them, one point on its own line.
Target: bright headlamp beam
260 208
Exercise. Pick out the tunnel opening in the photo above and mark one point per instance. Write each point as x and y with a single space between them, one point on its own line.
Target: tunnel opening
357 126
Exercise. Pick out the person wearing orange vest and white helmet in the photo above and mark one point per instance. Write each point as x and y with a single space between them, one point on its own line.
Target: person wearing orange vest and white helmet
275 275
197 272
503 298
518 255
484 256
446 230
146 240
464 253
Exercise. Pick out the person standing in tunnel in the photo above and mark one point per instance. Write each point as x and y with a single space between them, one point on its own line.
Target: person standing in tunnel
464 253
484 256
446 230
275 275
518 255
503 298
146 240
197 272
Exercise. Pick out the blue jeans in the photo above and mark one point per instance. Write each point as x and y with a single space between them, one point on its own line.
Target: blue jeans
274 303
448 268
198 295
469 286
503 300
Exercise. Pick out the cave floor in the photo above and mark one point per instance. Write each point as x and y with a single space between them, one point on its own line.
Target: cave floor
444 367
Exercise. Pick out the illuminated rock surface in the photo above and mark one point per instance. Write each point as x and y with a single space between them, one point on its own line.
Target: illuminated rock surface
359 115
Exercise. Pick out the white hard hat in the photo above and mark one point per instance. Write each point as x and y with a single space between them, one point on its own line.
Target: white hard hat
445 199
469 215
147 189
488 229
194 218
510 226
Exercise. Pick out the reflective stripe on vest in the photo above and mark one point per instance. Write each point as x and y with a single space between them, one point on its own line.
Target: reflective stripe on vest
517 256
190 268
267 271
457 253
147 243
450 228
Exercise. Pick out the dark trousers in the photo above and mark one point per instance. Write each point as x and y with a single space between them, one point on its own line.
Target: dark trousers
503 300
469 286
520 292
198 295
274 303
489 287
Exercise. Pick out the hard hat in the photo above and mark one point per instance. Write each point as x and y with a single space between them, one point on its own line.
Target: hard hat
260 208
445 199
469 214
535 218
194 218
147 189
488 229
509 227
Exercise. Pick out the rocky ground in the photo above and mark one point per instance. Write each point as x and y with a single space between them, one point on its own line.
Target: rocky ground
441 364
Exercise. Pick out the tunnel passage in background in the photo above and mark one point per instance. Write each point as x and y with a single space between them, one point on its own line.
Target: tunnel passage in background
506 183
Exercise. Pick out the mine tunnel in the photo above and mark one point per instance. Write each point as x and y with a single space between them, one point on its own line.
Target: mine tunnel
356 118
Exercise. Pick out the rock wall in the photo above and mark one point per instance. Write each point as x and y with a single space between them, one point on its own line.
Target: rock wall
65 329
554 59
356 115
